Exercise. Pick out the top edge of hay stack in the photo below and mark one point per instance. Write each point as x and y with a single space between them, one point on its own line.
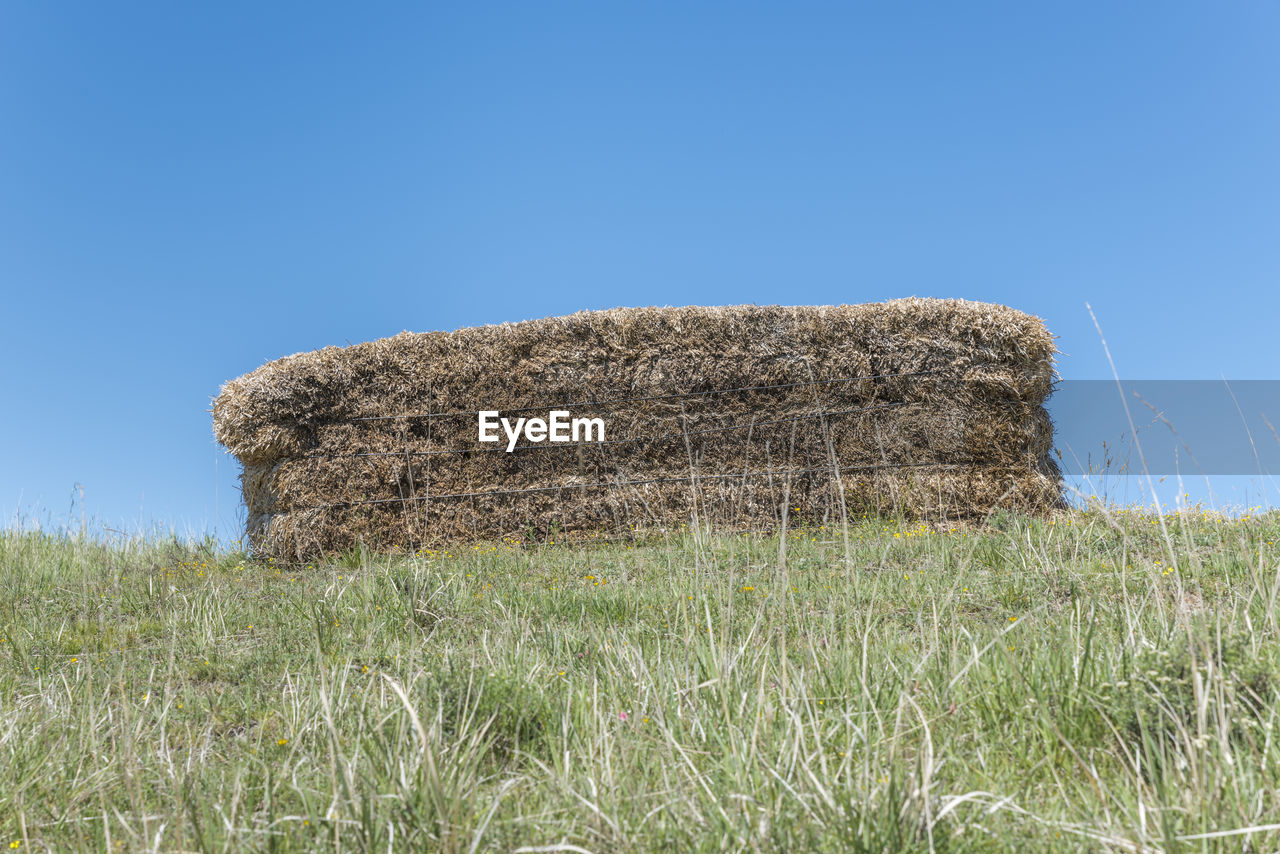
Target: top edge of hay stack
714 415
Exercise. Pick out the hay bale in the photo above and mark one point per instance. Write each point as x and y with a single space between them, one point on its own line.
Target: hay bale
930 408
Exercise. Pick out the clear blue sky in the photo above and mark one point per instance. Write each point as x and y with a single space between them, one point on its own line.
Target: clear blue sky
189 191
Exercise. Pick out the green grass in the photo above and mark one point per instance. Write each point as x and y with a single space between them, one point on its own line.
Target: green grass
1092 683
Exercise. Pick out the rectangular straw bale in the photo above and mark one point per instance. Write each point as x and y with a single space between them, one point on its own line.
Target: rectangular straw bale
935 405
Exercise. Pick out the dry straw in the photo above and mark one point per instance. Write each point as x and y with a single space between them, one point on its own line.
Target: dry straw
929 408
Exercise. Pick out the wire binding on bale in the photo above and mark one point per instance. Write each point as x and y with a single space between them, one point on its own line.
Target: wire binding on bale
924 408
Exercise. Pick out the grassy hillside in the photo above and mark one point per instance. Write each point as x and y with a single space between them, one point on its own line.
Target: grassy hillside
1098 681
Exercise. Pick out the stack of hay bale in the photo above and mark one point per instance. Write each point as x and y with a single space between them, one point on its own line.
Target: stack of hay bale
724 416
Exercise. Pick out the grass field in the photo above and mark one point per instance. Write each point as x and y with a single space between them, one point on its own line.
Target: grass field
1098 681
